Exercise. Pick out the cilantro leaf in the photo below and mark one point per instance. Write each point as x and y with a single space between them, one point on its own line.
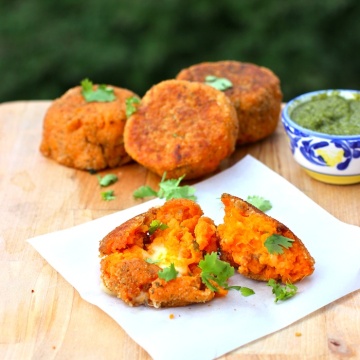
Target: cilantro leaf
168 273
168 189
167 186
87 86
215 271
151 261
108 195
282 292
259 202
218 83
171 189
130 105
107 180
102 93
275 243
155 225
144 191
245 291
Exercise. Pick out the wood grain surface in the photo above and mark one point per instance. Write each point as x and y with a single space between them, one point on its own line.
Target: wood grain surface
43 317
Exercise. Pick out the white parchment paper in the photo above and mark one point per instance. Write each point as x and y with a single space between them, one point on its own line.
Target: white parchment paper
201 332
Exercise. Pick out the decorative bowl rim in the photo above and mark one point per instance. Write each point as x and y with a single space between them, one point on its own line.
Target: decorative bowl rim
285 117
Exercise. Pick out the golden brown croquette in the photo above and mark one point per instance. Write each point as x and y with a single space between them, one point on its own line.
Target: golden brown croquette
242 237
256 95
132 256
86 135
182 128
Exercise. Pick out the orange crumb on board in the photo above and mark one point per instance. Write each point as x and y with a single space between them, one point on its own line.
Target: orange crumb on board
171 316
298 334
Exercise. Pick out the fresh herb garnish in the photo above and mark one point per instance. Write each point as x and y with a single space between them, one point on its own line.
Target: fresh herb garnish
171 189
151 261
155 225
245 291
168 273
282 292
218 83
259 202
107 180
168 189
108 195
217 272
144 191
102 93
130 105
275 243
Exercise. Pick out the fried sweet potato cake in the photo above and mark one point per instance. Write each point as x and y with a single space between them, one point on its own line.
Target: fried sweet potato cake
182 128
86 135
242 237
256 95
133 254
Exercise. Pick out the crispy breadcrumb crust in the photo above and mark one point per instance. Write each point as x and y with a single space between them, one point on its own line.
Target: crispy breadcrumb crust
131 257
256 95
242 235
86 135
182 128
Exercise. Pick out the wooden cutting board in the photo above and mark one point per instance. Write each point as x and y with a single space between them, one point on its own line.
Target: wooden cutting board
43 317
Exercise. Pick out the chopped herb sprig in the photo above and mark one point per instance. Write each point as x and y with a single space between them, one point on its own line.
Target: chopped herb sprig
276 243
259 202
155 225
215 273
107 180
130 104
108 195
102 93
218 83
168 189
168 273
282 292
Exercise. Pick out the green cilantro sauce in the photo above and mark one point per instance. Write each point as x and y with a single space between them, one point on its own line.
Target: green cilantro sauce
329 114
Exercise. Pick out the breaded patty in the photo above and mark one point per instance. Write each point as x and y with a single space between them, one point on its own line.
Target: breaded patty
242 237
86 135
133 254
256 95
182 128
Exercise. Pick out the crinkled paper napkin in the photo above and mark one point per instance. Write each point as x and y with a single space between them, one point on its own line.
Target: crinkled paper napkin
210 330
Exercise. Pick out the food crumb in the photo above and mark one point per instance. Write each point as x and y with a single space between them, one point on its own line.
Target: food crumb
298 334
32 290
171 316
54 347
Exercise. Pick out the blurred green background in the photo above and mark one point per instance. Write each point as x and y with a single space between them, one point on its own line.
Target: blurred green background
47 46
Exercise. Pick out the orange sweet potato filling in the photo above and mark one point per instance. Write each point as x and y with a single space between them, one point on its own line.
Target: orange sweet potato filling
132 257
243 234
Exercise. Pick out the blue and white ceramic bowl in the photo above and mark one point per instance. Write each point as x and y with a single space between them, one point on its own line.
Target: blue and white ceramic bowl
333 159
